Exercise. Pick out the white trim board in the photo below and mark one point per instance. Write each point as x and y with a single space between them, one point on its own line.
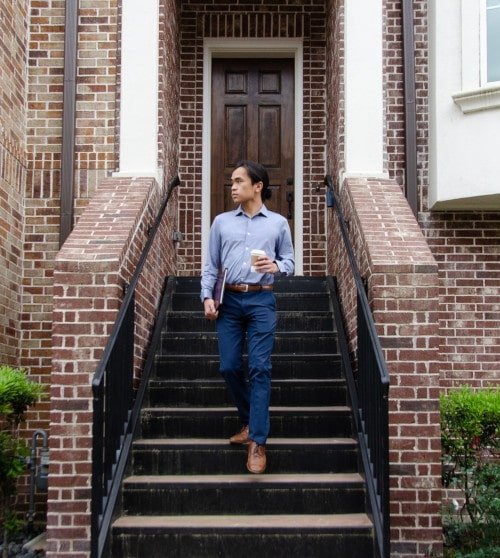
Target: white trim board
139 89
363 88
253 48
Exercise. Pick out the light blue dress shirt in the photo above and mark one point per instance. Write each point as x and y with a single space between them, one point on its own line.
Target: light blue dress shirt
232 237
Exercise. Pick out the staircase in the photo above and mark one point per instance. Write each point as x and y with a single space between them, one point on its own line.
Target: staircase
189 495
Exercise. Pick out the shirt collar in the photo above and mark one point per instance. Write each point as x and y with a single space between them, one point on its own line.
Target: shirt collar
262 211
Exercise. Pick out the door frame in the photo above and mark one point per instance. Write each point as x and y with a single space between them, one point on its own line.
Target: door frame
253 48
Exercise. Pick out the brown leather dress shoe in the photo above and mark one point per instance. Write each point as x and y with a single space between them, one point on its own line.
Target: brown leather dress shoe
256 458
240 437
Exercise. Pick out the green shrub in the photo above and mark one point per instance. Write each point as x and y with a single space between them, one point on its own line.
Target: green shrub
492 552
470 423
17 393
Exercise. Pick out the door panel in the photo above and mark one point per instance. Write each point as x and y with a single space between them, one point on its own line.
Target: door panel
253 118
270 136
235 124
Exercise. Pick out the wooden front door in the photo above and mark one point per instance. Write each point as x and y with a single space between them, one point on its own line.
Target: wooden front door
253 118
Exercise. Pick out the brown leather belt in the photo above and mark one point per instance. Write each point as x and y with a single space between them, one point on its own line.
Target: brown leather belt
245 288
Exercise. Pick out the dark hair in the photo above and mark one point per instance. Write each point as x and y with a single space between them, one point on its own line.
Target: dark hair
257 173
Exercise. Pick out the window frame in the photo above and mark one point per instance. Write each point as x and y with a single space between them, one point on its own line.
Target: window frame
476 94
484 45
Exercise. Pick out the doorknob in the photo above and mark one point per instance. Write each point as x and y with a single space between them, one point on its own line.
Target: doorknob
289 199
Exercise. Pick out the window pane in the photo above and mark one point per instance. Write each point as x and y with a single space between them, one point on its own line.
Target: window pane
493 41
493 3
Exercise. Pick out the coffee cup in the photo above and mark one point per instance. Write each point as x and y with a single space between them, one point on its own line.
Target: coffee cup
254 255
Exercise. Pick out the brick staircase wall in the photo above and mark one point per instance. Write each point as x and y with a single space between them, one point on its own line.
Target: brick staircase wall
90 272
403 291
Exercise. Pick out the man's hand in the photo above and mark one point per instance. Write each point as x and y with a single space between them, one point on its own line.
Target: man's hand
264 264
210 312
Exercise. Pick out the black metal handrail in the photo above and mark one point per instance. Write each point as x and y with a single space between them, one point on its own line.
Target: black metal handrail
368 391
113 403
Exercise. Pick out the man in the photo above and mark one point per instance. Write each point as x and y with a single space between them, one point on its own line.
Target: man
249 306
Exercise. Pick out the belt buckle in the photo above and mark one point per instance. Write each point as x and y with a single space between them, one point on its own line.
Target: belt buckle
246 288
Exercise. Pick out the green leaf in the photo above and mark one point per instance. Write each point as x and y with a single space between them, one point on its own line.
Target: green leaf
17 393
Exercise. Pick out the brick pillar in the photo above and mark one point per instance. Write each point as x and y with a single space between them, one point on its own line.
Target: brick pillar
98 257
86 298
403 292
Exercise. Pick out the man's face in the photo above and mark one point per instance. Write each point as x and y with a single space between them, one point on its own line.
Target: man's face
242 189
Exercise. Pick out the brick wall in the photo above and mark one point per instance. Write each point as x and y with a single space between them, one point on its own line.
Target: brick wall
393 75
12 179
465 244
39 108
31 93
95 149
266 19
335 87
421 44
403 291
94 146
43 144
13 30
394 94
90 272
393 83
169 82
462 243
98 63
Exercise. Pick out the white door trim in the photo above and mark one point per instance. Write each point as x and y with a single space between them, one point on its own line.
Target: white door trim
253 48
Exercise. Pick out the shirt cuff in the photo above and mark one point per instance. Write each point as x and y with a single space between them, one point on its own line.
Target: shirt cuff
280 267
205 294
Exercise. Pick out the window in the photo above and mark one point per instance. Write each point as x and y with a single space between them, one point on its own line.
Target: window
491 42
480 51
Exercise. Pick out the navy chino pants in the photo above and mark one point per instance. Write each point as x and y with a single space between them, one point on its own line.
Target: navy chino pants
251 316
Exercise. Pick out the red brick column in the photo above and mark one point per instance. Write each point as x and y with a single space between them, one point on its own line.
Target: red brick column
403 292
90 271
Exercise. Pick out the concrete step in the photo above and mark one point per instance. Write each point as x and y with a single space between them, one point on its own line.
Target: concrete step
243 494
207 393
244 536
299 342
192 321
205 456
296 284
285 365
297 301
213 422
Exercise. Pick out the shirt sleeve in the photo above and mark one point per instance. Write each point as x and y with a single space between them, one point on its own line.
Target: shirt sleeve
285 259
212 264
